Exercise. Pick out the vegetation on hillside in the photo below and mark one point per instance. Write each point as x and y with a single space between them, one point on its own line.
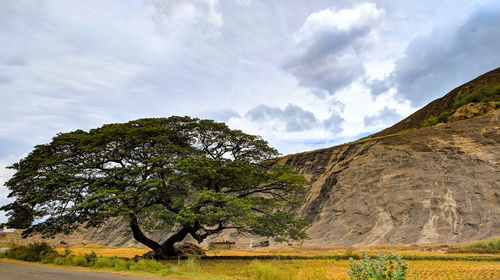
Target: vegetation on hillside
480 94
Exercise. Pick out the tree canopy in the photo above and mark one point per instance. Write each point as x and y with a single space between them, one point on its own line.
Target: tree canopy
184 174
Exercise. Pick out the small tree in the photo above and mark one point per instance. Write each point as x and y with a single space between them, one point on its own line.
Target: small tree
187 175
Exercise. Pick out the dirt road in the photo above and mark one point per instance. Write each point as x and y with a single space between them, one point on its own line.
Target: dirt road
21 271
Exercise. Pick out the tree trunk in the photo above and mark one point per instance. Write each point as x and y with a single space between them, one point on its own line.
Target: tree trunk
140 237
167 248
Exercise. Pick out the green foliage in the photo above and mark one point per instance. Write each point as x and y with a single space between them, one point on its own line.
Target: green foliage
444 117
44 253
481 94
269 271
32 253
430 121
380 268
91 257
198 176
21 216
489 246
113 262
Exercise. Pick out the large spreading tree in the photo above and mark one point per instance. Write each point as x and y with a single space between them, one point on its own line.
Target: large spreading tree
182 174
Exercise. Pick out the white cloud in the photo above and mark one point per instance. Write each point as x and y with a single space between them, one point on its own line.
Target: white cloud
201 17
361 18
448 57
331 46
79 64
347 70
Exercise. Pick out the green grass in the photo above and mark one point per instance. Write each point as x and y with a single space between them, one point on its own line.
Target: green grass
482 94
264 267
489 246
444 117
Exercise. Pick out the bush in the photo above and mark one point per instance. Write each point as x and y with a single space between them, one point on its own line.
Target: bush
91 258
430 121
32 253
483 94
49 257
444 117
78 260
489 246
380 268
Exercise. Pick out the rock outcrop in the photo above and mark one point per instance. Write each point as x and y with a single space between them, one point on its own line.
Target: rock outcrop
473 110
436 184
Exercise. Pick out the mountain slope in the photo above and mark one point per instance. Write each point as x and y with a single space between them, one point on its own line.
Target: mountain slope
434 184
472 91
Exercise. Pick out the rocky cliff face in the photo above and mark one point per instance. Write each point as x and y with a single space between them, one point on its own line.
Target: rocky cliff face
435 184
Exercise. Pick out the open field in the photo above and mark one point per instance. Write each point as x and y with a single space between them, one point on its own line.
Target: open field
277 268
423 251
306 269
431 261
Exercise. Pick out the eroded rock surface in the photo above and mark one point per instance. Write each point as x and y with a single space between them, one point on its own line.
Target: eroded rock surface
435 184
473 110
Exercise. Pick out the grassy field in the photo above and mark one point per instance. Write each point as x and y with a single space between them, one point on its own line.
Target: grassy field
280 268
279 264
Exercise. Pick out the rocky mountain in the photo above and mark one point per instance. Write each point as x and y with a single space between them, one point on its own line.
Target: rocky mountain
485 88
433 177
435 184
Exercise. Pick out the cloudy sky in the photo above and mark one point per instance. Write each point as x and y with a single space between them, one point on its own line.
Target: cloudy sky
302 74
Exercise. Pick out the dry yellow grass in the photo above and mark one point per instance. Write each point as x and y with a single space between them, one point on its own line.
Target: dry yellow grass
337 269
104 251
316 269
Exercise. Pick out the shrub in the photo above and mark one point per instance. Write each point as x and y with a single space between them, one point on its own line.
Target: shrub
66 252
489 246
60 260
483 94
77 260
444 117
430 121
49 257
91 258
32 253
113 262
380 268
